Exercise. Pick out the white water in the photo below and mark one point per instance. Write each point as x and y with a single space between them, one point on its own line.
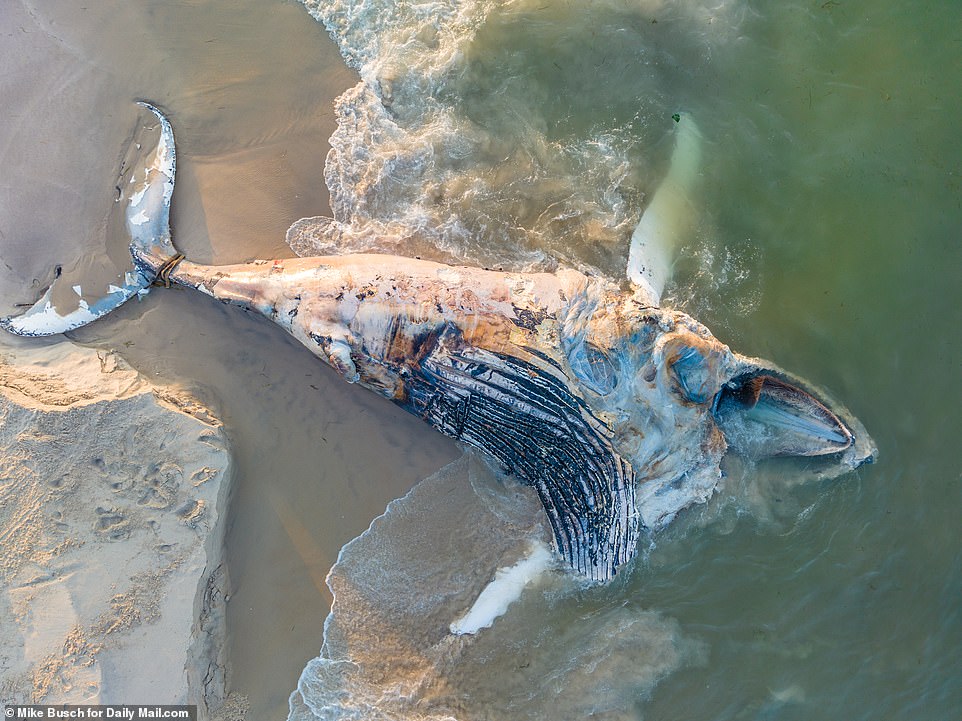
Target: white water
486 133
559 651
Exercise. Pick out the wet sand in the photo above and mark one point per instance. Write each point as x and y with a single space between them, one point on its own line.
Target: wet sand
248 87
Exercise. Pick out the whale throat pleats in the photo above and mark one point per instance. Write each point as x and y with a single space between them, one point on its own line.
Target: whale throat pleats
524 416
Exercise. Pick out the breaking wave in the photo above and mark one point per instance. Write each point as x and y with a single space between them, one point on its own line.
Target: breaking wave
516 134
561 650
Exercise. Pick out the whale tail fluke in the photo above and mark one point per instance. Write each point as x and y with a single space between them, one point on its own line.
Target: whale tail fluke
148 202
146 189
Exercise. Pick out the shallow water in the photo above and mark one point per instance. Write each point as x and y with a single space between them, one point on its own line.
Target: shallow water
828 226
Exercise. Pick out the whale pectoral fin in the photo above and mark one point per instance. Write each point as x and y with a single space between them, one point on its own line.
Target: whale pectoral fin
526 418
667 221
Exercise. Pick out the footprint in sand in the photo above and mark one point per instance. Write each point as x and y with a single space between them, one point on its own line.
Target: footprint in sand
112 524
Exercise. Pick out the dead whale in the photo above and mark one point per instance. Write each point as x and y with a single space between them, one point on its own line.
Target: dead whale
616 410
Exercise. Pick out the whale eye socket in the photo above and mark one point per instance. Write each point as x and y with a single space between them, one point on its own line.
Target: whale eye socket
692 375
596 370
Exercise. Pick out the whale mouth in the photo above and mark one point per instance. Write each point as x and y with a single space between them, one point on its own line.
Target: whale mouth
764 415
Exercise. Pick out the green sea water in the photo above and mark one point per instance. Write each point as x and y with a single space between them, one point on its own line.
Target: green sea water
834 246
835 193
828 238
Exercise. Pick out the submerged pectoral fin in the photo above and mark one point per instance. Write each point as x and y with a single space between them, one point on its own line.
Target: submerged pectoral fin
524 417
668 219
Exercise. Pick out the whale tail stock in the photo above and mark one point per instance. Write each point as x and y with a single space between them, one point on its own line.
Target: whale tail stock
145 189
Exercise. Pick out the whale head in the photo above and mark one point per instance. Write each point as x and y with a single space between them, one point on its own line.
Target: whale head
679 400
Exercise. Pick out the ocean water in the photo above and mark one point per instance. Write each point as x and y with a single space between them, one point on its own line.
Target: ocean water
827 236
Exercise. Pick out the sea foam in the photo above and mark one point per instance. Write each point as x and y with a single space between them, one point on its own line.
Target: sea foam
516 135
560 650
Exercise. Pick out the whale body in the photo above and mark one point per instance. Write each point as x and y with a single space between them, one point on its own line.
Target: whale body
615 410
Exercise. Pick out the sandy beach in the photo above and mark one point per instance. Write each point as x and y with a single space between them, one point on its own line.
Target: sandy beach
112 508
249 88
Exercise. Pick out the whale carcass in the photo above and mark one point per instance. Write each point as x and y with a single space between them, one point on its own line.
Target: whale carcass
615 410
